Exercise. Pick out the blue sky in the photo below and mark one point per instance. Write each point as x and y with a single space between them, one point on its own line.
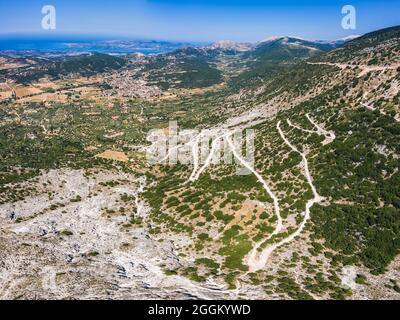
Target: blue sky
198 20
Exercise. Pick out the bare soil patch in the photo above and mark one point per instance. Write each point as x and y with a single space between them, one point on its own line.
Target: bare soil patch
113 155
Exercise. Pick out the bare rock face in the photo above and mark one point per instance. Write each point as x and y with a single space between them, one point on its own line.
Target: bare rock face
61 248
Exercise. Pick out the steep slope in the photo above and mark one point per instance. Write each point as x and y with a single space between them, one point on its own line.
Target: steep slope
369 76
271 57
376 48
331 165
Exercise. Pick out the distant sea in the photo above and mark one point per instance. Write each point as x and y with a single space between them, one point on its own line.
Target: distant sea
39 46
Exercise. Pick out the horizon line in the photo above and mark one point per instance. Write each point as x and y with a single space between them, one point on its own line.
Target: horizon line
109 37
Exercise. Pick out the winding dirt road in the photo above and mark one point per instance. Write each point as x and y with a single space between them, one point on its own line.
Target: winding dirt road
256 260
365 69
253 260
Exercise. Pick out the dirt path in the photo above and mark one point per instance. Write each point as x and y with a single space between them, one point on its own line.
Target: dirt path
215 144
369 107
255 261
339 65
364 68
195 153
316 199
329 135
299 128
44 129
